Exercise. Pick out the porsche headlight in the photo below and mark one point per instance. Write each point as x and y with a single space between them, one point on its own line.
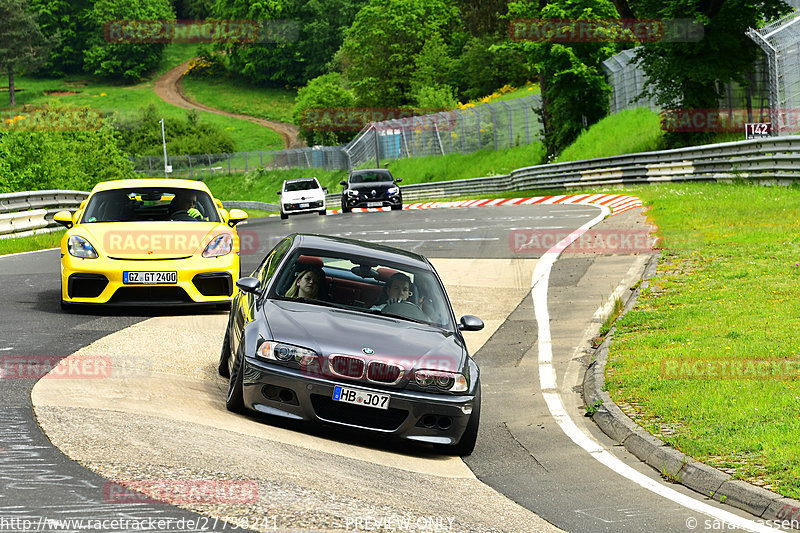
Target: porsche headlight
447 381
80 247
286 353
219 246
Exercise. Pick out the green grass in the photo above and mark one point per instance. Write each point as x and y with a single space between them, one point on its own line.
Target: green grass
474 165
626 132
127 100
726 290
41 241
239 97
263 185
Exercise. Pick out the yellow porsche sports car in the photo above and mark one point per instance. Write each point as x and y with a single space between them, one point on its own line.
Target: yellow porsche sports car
149 241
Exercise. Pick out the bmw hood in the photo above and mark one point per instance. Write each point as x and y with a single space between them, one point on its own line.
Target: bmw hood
371 337
150 240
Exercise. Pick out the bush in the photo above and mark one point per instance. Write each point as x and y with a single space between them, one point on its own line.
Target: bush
141 135
327 93
207 64
37 159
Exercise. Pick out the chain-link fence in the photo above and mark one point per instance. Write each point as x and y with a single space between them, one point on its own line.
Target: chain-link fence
627 81
493 126
780 42
198 166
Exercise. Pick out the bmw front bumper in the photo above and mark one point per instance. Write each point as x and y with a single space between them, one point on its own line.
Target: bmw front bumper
412 415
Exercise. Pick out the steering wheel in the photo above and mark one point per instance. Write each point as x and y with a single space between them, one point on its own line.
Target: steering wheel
407 309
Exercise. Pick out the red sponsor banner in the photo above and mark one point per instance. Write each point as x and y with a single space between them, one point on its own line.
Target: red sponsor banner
181 492
55 367
49 120
605 30
356 118
169 242
596 241
181 31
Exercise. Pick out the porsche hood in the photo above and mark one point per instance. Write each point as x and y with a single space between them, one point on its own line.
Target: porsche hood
151 240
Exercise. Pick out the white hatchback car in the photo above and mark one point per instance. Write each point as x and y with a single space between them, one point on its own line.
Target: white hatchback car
302 195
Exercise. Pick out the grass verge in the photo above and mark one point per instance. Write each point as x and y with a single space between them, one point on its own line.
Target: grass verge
460 166
725 294
41 241
239 97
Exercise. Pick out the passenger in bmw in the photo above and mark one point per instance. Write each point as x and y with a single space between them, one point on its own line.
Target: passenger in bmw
396 290
306 284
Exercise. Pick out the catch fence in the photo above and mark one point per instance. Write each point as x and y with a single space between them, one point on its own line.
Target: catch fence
490 126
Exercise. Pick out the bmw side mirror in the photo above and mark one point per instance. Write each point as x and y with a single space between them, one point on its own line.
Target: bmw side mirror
470 323
250 285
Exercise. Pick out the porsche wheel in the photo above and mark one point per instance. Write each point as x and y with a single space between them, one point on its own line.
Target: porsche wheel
284 216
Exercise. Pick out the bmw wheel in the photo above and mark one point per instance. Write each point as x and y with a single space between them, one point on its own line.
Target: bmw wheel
235 399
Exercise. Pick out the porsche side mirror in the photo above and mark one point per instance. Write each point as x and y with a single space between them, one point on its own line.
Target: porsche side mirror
235 216
64 218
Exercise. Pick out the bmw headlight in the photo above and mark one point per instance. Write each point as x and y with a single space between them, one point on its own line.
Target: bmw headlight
80 247
392 190
286 353
219 246
446 381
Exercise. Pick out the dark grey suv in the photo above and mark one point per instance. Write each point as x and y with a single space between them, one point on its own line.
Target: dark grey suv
371 187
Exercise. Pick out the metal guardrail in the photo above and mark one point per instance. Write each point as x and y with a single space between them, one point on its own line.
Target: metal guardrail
26 213
767 161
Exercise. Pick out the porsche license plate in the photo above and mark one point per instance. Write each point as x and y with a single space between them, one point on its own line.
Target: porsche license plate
374 204
149 278
361 397
303 206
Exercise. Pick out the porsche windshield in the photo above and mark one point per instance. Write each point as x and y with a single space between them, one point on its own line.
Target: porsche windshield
363 284
148 203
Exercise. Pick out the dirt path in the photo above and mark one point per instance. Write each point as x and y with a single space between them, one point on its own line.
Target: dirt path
168 88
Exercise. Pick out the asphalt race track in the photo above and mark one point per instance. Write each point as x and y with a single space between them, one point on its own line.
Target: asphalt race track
165 418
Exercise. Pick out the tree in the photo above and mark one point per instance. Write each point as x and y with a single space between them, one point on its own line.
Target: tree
689 75
22 45
378 50
301 38
573 87
67 18
128 60
322 107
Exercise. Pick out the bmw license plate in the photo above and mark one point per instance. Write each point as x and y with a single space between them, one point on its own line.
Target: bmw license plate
374 204
361 397
149 278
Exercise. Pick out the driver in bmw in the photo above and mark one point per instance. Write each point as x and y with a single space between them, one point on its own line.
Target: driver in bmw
397 289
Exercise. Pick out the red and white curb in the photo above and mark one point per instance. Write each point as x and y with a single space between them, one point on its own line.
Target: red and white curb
617 203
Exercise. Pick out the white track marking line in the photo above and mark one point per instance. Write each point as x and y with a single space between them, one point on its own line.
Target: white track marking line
547 381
